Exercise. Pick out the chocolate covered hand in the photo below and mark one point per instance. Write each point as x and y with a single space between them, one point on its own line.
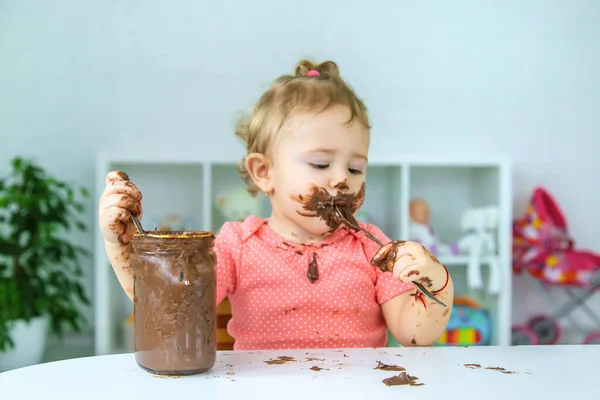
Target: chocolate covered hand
412 262
120 199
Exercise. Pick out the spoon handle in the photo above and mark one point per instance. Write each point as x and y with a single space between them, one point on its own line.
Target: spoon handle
137 224
426 292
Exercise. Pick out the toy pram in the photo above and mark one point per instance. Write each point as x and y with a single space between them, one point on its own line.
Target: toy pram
544 254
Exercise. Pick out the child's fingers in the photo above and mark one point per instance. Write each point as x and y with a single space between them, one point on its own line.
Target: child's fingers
381 254
116 176
118 224
385 258
123 187
123 201
406 268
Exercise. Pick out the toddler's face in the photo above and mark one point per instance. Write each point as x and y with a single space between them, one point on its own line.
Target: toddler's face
322 150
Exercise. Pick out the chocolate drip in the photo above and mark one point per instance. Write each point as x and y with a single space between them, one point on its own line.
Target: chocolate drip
313 270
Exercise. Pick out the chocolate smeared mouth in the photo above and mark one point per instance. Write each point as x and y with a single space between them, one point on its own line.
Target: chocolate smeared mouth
319 203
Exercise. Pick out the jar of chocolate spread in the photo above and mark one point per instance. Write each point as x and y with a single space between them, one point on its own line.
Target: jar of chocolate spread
174 301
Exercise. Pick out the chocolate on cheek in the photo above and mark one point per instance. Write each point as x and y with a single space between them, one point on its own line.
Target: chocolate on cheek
359 198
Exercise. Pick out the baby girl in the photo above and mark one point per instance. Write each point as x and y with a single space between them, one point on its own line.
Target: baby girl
303 278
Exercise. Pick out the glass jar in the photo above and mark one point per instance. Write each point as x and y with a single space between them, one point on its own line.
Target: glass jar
174 301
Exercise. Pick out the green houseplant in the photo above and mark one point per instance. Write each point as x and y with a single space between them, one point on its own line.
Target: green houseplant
40 268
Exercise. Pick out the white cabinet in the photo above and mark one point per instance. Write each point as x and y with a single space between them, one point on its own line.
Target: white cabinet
182 189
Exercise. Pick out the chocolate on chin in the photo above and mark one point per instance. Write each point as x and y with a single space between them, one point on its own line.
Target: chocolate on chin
174 301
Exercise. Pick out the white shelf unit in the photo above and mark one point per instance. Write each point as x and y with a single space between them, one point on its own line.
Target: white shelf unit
187 185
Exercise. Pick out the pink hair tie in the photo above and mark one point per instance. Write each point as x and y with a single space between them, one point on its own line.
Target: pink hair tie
313 72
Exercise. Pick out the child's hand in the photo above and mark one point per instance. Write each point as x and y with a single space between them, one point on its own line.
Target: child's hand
411 261
120 199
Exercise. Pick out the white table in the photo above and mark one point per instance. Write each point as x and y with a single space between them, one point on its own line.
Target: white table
545 372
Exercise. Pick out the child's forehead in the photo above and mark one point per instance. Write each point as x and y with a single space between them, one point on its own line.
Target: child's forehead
321 125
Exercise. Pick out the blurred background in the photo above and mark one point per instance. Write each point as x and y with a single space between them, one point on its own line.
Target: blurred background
510 87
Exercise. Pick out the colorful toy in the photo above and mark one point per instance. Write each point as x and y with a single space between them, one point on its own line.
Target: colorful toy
469 325
544 253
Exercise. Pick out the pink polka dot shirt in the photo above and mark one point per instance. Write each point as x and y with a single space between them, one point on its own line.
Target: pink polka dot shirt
275 306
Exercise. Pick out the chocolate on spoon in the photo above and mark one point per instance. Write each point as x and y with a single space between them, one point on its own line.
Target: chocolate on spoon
348 219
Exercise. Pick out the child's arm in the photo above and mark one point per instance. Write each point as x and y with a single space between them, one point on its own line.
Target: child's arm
228 250
120 199
118 256
413 318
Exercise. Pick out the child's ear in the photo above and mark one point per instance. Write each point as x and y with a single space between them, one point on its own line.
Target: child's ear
259 168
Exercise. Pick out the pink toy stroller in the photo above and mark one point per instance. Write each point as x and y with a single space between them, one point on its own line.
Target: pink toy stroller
543 252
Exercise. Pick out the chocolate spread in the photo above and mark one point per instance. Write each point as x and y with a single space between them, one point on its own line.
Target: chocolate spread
402 379
319 203
174 301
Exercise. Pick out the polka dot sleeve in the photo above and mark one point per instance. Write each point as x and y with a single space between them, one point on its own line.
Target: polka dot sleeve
227 248
386 286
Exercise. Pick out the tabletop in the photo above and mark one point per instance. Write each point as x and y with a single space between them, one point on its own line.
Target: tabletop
489 372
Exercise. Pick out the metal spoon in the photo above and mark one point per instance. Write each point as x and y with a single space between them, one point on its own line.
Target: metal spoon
137 223
349 219
353 223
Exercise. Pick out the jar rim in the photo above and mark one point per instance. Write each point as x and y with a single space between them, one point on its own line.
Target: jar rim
175 234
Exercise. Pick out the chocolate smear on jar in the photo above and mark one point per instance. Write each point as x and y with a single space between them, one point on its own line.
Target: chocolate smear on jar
174 301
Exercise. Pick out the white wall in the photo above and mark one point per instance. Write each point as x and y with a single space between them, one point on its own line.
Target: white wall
463 77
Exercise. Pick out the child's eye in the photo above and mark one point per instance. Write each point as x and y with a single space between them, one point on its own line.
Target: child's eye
319 166
354 171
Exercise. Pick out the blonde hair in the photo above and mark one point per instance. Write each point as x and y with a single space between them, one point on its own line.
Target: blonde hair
288 93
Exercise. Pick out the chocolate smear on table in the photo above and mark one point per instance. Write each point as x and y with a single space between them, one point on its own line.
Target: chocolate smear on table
473 366
402 379
280 360
389 367
500 369
315 368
